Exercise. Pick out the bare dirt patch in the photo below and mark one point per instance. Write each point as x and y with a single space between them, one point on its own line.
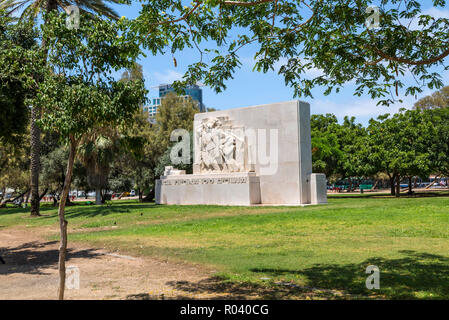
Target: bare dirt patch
31 271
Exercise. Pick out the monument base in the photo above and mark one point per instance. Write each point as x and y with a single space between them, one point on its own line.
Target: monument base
215 188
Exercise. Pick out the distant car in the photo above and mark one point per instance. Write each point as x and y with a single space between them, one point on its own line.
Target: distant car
132 193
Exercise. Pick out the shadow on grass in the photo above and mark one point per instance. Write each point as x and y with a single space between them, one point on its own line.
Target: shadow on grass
32 257
416 275
80 211
12 210
388 195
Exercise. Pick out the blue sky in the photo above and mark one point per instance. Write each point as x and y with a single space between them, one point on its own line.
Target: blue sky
254 88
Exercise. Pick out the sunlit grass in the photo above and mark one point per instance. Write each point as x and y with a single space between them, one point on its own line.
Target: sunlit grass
326 247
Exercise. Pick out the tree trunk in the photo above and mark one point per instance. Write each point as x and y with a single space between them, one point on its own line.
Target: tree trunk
375 184
410 185
398 186
3 204
43 194
35 160
433 182
3 195
27 197
35 136
150 196
97 196
62 221
350 185
140 195
393 192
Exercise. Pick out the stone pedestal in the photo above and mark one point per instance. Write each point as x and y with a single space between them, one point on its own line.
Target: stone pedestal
238 189
318 188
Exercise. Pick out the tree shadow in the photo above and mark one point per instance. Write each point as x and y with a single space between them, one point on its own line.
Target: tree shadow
402 278
442 194
33 257
416 275
103 210
217 288
13 210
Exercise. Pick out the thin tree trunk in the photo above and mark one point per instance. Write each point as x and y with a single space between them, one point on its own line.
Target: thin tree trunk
393 192
35 160
43 194
14 199
350 185
410 185
62 222
398 186
97 196
27 197
3 194
375 184
432 183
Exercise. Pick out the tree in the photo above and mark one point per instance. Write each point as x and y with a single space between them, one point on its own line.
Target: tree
398 145
97 151
335 147
18 51
133 73
174 113
436 121
138 163
350 137
31 10
13 169
80 95
329 35
439 99
326 150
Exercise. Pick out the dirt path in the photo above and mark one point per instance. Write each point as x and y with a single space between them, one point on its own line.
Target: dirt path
31 272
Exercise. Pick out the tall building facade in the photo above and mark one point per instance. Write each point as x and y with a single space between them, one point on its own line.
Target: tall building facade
193 91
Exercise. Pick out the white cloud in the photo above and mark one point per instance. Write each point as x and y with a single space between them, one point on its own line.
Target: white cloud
362 109
167 77
436 13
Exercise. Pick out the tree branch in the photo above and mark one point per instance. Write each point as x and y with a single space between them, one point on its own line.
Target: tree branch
246 4
184 17
411 62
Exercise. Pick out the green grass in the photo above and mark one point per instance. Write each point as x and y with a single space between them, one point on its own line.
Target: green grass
325 247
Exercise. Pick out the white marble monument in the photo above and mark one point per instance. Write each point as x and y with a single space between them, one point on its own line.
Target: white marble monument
248 156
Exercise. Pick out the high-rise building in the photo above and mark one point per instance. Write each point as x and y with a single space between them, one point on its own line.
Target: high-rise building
193 91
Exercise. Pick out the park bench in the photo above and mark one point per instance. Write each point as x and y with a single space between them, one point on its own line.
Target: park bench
365 187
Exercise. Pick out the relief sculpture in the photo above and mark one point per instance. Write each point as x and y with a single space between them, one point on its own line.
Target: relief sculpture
221 146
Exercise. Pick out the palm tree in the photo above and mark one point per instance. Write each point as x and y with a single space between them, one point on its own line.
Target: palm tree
30 9
97 152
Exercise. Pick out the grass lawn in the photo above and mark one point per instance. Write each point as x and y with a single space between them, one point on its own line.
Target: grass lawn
281 249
